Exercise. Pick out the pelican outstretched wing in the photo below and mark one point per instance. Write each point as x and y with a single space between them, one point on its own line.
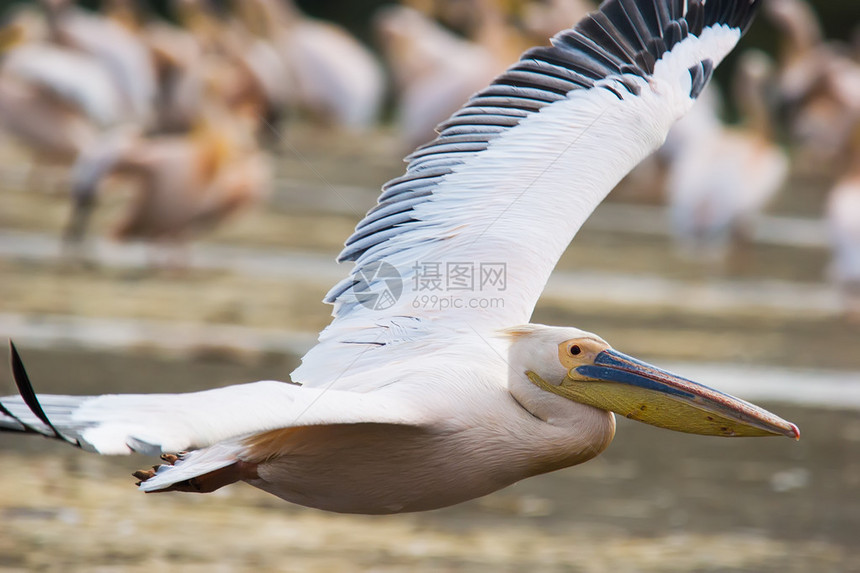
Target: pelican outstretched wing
469 235
483 212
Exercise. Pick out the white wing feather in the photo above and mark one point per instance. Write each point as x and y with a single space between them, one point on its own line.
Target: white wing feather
513 201
117 424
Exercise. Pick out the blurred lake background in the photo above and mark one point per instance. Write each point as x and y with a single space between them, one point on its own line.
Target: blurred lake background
232 108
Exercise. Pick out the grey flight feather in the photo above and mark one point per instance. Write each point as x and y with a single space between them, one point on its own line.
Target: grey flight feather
624 39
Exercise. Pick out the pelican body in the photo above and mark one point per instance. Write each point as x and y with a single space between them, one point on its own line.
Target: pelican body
405 406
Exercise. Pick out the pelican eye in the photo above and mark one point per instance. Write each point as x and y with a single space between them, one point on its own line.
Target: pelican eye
575 350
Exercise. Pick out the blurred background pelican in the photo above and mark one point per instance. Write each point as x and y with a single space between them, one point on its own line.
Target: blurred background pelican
818 84
721 177
240 142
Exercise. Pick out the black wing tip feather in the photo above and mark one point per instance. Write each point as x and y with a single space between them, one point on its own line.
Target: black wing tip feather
17 368
5 412
701 75
639 33
28 394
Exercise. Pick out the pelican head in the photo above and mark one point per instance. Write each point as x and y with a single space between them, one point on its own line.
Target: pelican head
582 367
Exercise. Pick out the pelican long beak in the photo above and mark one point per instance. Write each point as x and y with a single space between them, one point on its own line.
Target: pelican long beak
643 392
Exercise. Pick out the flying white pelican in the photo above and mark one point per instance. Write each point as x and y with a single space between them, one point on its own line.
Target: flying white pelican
409 404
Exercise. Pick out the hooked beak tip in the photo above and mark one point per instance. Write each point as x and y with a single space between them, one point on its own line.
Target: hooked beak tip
794 432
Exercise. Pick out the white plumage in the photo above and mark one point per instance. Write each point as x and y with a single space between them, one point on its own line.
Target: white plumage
404 407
